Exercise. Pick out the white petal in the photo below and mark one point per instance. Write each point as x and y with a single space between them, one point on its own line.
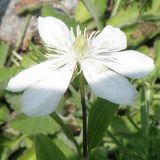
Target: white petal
109 40
130 63
43 97
29 76
108 84
54 33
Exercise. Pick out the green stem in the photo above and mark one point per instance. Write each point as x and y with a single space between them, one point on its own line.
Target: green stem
84 114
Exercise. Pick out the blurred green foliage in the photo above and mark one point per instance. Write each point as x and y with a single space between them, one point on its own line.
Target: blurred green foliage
134 132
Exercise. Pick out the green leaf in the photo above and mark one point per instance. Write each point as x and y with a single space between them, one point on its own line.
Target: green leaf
66 130
4 113
136 10
27 61
8 146
89 8
140 33
96 8
50 11
121 125
100 116
157 48
99 153
6 74
152 11
47 150
144 49
28 155
122 19
80 8
66 148
34 56
156 72
14 99
34 125
4 48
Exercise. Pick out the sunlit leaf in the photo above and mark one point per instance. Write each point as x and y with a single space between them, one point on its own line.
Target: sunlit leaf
28 155
34 125
47 150
5 75
80 8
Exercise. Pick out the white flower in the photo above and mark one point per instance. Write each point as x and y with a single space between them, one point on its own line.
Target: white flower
98 55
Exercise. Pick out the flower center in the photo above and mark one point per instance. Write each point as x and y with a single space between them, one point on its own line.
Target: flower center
80 47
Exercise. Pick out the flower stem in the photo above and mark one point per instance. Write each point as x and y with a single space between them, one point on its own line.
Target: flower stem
84 115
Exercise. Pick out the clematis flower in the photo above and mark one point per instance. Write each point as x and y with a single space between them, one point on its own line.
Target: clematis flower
100 56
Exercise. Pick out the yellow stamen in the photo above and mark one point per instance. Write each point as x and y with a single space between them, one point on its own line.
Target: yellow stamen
80 47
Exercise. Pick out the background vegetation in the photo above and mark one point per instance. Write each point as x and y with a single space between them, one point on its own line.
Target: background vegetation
133 133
